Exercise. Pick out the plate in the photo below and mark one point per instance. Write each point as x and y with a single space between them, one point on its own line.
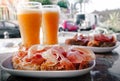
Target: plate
7 66
65 35
102 49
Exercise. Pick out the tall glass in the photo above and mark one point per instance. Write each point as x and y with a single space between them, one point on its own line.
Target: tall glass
29 16
50 22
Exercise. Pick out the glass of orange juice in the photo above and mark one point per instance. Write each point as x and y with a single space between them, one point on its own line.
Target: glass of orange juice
50 22
29 16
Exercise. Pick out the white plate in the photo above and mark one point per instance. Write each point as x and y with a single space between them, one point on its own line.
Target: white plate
7 66
63 36
102 49
99 49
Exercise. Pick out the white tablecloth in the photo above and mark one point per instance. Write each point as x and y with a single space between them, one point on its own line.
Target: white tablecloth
9 45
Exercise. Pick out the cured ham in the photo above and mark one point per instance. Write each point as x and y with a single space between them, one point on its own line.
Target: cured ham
78 40
54 57
102 40
96 40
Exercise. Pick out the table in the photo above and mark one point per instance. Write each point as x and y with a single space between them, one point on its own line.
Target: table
107 69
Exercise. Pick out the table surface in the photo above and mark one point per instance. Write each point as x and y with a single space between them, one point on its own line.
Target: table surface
107 68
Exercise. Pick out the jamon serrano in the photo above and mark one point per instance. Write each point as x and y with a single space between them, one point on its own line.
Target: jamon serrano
97 40
54 57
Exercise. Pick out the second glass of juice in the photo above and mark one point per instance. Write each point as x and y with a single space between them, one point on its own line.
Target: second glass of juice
50 19
29 16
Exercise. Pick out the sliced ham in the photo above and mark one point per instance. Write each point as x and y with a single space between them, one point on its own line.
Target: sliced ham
54 57
68 65
78 55
104 38
75 56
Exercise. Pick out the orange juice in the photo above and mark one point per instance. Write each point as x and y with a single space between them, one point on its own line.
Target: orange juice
50 20
30 22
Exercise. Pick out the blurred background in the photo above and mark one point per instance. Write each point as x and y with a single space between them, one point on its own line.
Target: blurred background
76 16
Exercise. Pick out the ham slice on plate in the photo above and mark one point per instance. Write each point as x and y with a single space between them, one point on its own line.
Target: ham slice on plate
78 55
55 57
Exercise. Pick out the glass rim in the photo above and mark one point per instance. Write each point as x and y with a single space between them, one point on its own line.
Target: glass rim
50 6
31 4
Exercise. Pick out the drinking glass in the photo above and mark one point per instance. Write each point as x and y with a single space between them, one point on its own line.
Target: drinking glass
29 16
50 22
